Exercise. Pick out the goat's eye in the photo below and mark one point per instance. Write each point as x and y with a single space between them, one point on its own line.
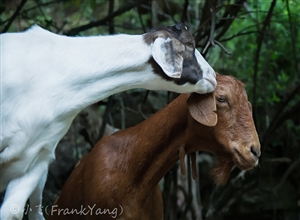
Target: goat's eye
221 99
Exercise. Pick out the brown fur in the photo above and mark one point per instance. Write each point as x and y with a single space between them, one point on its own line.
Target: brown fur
123 169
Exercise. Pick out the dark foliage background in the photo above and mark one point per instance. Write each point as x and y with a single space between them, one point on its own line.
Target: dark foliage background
256 41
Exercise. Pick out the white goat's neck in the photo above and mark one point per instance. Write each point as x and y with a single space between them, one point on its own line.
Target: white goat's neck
126 65
89 69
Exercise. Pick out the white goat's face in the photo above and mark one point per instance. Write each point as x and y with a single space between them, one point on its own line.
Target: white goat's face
175 59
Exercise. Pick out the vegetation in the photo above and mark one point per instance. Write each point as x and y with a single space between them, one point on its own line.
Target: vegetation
256 41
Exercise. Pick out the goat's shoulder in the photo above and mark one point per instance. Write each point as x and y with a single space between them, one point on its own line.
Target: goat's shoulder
103 155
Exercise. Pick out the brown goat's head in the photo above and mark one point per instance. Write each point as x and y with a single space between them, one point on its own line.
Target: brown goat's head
229 128
175 59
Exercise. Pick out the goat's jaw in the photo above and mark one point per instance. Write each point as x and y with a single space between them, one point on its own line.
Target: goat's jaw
243 160
220 173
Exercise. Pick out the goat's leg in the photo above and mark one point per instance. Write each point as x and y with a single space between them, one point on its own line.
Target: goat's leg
19 190
35 200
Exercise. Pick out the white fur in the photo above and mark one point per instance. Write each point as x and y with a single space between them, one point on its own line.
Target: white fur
159 55
46 80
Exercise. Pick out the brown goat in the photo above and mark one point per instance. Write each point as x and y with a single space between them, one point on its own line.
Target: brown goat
119 177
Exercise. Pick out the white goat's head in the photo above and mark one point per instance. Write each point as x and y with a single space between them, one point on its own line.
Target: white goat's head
175 59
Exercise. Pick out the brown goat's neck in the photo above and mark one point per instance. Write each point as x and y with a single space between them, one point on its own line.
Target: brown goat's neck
153 147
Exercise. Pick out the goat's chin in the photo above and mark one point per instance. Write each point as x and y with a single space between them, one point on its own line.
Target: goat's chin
220 173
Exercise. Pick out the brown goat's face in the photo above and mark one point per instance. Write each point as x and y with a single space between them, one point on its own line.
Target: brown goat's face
235 129
232 137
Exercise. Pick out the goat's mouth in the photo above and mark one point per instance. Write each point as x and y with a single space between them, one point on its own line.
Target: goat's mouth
214 84
244 162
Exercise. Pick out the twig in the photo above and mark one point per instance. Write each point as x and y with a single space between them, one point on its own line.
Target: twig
87 138
111 21
279 160
10 21
292 36
122 113
53 177
232 18
212 26
42 4
184 11
239 34
82 12
141 111
231 11
198 190
280 117
169 10
111 120
286 174
158 12
212 30
189 196
40 9
249 11
126 7
260 39
105 116
141 19
223 48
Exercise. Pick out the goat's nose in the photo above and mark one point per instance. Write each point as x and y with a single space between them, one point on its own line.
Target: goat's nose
255 151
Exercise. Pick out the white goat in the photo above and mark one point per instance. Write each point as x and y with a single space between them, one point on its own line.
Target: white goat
47 79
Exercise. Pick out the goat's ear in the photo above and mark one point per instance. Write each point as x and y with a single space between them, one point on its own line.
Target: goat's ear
166 52
202 108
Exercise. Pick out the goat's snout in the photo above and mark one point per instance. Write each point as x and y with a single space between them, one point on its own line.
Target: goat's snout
255 150
247 157
209 82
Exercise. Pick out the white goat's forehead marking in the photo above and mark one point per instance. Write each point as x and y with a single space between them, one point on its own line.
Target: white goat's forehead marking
186 28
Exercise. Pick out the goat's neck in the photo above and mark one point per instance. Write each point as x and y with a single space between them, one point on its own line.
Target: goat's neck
154 148
92 68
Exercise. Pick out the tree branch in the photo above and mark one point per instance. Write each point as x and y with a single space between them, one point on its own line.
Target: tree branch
184 12
292 35
212 29
279 118
260 39
222 47
140 18
105 116
238 34
13 17
225 22
232 11
126 7
110 12
286 174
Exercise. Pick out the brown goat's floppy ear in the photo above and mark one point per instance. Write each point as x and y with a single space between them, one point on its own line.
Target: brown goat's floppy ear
166 52
202 108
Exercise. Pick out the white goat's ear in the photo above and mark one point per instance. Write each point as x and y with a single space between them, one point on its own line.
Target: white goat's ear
202 108
166 52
